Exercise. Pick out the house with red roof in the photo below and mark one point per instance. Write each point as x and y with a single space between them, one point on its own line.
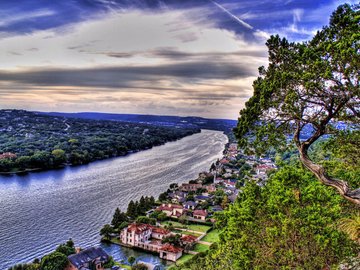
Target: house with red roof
169 209
224 161
7 155
200 214
159 233
188 241
149 238
134 234
170 252
210 188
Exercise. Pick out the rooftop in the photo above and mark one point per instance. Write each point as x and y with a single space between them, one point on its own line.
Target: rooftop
88 255
200 213
171 248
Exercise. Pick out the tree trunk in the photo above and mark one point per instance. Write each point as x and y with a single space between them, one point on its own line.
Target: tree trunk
341 186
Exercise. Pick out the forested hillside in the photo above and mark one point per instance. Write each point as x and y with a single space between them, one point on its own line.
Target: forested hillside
36 141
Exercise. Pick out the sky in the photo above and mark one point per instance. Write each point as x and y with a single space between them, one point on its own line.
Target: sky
167 57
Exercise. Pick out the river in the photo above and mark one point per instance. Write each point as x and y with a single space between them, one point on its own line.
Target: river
40 210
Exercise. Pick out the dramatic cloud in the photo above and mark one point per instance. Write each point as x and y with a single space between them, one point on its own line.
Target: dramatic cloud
178 57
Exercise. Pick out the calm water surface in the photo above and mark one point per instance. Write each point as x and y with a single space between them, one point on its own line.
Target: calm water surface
40 210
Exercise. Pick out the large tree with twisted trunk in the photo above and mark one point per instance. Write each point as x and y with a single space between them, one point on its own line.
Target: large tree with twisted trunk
305 90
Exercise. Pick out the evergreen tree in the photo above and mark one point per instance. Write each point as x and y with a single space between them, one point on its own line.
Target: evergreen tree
118 218
131 210
142 207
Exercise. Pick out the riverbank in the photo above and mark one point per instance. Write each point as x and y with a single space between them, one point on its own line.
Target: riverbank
33 140
18 171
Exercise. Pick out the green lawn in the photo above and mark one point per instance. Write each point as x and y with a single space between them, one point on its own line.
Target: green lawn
199 228
123 265
193 227
174 223
115 240
201 248
212 236
190 233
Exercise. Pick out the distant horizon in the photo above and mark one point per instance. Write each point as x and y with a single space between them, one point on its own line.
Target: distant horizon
118 113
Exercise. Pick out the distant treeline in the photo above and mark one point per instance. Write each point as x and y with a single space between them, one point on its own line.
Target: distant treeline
44 142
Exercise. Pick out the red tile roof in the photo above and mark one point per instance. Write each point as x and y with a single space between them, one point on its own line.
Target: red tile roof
188 238
139 228
162 208
160 230
200 213
224 161
171 248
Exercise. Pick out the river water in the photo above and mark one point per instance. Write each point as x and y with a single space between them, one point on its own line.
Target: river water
40 210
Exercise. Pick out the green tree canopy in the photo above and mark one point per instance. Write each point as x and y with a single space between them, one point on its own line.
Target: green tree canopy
54 261
106 231
118 218
304 91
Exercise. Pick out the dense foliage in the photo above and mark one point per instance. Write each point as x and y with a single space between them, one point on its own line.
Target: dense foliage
305 91
41 141
54 261
135 213
138 208
288 224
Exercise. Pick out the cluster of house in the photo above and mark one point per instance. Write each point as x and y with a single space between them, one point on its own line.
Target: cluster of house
196 202
150 238
187 209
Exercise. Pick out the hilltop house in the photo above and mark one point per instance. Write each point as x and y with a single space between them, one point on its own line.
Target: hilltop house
91 258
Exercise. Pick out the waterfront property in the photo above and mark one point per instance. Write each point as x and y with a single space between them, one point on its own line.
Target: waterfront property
190 187
170 252
149 238
91 258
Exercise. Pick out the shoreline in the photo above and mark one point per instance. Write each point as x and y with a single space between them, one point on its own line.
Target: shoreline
26 171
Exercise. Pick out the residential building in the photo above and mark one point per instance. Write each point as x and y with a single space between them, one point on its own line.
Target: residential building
210 188
7 155
190 205
91 258
170 252
135 234
190 187
200 214
171 209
